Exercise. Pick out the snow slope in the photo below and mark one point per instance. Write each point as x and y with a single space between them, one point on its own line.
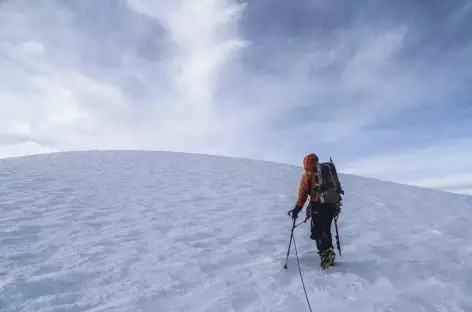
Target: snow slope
155 231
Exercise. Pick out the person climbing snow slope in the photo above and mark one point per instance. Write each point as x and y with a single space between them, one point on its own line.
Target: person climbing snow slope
322 214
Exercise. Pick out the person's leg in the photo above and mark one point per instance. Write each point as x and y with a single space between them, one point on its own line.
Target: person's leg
326 250
327 215
316 227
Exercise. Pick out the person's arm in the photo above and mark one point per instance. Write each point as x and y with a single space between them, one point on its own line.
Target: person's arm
303 190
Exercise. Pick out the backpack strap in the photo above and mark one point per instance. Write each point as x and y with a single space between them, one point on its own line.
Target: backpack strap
314 191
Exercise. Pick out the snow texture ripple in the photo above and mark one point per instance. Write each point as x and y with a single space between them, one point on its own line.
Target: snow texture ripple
158 231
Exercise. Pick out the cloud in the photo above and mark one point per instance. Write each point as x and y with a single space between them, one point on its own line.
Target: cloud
363 82
79 86
23 149
444 165
461 182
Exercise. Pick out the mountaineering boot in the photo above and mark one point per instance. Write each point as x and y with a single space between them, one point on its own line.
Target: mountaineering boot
327 258
324 260
331 256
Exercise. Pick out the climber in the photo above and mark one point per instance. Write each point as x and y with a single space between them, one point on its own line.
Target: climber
322 214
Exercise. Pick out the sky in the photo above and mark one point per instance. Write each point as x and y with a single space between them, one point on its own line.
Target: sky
382 87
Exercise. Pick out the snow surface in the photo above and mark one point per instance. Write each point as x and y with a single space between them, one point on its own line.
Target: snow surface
158 231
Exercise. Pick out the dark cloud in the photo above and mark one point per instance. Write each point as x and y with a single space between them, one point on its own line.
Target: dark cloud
115 25
435 29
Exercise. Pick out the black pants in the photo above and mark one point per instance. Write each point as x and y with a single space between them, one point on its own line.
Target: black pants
322 216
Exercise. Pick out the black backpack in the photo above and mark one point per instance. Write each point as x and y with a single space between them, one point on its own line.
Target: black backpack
330 186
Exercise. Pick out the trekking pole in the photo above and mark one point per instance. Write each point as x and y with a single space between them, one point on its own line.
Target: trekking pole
290 244
291 236
296 252
338 244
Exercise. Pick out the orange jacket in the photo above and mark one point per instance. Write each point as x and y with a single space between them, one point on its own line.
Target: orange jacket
307 184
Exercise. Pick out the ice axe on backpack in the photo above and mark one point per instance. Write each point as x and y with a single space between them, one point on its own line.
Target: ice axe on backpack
338 208
338 244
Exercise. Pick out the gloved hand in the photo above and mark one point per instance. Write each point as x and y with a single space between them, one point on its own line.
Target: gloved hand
295 212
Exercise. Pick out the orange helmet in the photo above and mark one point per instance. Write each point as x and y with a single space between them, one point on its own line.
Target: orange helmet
310 161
